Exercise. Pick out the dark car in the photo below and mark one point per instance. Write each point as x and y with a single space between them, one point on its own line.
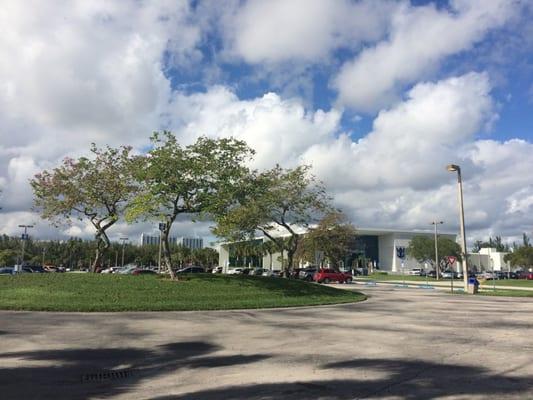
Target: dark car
191 270
330 275
432 274
143 272
7 271
37 268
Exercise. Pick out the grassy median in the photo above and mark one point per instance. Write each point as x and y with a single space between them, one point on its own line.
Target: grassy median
94 292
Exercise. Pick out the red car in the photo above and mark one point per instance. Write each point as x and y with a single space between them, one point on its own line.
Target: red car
330 275
525 275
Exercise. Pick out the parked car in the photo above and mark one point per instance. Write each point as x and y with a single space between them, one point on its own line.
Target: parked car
140 271
431 274
307 274
448 274
217 270
235 271
191 270
330 275
274 272
256 271
7 271
417 272
35 268
525 275
488 275
127 270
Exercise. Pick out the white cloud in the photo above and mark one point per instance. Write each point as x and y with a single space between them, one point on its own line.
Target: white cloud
279 130
301 30
76 72
82 71
411 143
420 38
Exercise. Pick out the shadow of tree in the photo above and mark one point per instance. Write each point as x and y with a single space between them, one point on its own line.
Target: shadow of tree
84 373
398 378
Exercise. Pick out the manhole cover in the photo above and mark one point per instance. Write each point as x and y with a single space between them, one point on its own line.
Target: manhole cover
107 375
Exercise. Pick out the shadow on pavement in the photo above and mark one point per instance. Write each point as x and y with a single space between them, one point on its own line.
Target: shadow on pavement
103 372
398 378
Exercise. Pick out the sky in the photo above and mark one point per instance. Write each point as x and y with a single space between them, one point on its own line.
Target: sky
377 95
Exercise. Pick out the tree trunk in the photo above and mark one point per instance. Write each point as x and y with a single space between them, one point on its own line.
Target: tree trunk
102 244
167 258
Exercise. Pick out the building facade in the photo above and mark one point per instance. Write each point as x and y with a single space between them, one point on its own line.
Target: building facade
488 259
153 239
378 249
191 243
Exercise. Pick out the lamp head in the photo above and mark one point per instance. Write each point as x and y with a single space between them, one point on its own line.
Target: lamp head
453 167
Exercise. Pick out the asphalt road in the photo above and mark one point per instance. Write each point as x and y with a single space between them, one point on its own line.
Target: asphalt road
399 344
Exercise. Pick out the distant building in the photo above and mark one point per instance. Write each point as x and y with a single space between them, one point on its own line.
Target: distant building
379 248
488 258
191 243
153 239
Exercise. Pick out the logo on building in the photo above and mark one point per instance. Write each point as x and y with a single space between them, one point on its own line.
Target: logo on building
400 252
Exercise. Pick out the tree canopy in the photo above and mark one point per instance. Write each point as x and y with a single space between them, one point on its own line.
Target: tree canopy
276 202
199 179
422 249
96 189
334 236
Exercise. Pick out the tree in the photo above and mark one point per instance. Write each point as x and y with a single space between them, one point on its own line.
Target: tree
525 240
521 257
494 243
206 257
8 257
275 200
197 180
422 248
95 188
181 253
333 235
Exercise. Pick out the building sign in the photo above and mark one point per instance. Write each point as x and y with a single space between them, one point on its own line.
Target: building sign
400 252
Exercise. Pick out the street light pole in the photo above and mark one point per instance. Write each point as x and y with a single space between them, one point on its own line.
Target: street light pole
124 239
437 264
24 238
456 168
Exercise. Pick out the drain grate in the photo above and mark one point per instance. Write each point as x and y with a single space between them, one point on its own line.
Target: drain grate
107 375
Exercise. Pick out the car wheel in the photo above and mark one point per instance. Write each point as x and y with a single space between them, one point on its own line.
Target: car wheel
348 280
326 280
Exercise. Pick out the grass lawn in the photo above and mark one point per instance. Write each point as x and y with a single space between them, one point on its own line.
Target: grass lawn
508 282
390 277
508 293
95 292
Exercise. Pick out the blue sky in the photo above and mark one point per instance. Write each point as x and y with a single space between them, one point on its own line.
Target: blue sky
377 95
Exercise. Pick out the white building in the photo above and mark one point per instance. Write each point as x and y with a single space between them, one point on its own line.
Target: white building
373 247
487 259
191 243
153 239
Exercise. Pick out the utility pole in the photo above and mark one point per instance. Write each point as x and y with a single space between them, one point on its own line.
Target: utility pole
24 237
437 264
124 239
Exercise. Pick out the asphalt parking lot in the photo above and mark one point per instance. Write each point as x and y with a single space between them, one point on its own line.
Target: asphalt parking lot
399 344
